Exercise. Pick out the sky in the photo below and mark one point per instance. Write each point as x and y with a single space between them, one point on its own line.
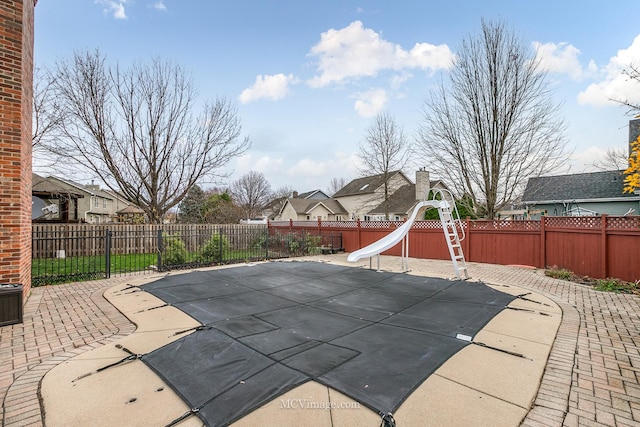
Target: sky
309 77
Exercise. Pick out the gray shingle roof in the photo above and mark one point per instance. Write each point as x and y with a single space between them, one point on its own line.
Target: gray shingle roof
306 205
400 202
49 188
313 194
581 186
364 185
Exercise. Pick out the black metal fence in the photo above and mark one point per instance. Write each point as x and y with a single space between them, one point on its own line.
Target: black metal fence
75 252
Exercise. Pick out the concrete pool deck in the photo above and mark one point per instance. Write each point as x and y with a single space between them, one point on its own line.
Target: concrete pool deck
589 377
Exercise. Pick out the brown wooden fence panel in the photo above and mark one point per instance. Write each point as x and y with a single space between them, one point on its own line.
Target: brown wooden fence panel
595 246
592 246
427 241
623 248
504 242
623 256
574 243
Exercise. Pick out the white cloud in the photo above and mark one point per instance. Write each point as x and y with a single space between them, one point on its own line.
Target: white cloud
272 87
159 6
264 164
341 164
560 58
370 103
303 174
115 7
355 51
583 161
613 83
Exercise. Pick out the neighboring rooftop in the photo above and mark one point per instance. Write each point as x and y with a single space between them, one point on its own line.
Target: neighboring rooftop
49 188
307 205
401 201
580 186
364 185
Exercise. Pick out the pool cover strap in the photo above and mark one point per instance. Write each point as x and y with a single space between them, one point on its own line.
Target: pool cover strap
130 357
388 420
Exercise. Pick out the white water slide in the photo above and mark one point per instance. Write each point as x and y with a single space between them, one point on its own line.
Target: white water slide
401 234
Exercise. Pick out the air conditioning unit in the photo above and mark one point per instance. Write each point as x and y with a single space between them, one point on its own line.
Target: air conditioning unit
10 304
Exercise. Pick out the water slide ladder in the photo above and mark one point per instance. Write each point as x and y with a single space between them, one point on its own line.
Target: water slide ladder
450 226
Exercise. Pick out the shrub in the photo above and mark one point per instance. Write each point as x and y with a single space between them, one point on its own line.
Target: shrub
214 249
559 273
174 251
617 286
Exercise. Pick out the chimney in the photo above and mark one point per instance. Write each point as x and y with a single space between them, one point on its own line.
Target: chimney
422 184
295 194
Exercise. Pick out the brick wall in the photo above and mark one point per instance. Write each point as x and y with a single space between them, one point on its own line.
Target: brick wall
16 91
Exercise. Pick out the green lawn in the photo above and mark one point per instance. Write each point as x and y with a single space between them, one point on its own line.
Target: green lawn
74 269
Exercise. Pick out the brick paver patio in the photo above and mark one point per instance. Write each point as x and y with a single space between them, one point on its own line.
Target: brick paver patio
592 376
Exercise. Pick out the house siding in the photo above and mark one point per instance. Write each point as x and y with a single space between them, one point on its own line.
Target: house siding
610 208
358 205
289 213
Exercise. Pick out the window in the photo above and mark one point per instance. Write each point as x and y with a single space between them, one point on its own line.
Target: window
367 218
308 217
104 203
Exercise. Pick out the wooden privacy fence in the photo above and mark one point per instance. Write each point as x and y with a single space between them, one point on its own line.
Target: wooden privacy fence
599 247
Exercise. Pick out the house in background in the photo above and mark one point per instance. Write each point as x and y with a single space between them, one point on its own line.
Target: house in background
53 202
83 203
96 206
274 209
363 199
402 202
125 211
362 195
308 208
311 195
581 194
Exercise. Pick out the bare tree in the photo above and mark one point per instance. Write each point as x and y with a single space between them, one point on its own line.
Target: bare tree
385 149
494 124
47 117
284 191
251 192
614 159
336 185
633 74
136 129
278 199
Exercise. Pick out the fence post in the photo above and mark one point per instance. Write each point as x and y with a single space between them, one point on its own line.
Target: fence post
266 242
467 241
358 224
543 242
603 246
160 248
220 243
107 253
